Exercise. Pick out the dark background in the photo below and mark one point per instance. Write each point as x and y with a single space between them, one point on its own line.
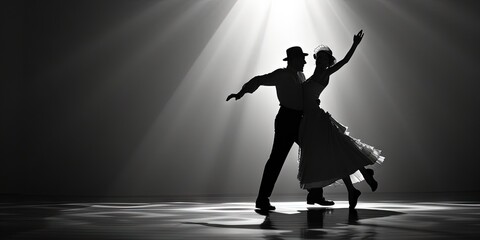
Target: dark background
126 98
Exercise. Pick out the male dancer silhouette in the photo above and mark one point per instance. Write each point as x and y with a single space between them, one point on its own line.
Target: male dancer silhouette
288 83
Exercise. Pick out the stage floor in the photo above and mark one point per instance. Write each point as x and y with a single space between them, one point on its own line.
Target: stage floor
234 219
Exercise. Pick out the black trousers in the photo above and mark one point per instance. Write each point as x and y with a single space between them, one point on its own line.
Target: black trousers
287 123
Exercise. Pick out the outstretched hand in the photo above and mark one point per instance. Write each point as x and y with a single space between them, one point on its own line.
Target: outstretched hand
234 95
358 37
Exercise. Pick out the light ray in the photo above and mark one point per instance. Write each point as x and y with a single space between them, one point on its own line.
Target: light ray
229 140
194 109
181 118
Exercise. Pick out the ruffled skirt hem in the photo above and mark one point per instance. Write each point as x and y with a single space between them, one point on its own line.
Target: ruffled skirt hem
361 155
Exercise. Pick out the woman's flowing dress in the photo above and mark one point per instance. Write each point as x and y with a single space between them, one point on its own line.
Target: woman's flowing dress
327 153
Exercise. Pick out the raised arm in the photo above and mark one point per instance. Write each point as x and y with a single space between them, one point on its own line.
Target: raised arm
252 85
356 40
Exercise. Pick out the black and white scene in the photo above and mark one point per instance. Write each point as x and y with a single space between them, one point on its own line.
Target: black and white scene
239 119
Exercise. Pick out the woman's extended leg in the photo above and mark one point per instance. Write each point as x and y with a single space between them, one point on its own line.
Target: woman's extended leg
368 175
353 193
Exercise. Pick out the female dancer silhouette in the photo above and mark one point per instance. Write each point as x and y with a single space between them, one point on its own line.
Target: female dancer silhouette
327 153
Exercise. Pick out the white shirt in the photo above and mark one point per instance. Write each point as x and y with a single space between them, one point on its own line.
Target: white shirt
288 85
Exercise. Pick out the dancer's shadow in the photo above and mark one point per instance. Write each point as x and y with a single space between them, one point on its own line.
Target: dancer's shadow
310 223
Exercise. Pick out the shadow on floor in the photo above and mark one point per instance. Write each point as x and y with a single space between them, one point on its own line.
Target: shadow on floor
310 223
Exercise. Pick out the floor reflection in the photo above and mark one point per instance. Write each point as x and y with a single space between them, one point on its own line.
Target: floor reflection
238 220
309 224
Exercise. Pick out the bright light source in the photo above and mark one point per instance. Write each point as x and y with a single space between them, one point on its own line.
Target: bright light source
232 139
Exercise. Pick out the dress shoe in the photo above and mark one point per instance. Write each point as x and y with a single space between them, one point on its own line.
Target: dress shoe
370 180
264 205
353 198
311 199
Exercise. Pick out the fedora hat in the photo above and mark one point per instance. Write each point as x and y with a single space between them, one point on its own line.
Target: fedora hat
294 52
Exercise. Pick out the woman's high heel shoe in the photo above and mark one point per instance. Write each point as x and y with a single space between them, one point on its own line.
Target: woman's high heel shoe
370 180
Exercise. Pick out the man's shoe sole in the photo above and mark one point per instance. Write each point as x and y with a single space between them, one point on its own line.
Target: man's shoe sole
323 203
